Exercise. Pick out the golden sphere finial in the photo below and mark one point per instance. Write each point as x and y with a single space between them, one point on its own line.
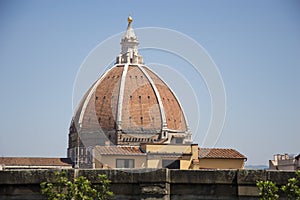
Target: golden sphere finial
129 19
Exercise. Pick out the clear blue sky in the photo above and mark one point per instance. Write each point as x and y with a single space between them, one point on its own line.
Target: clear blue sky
255 44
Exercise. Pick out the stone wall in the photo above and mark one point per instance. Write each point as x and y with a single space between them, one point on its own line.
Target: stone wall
151 184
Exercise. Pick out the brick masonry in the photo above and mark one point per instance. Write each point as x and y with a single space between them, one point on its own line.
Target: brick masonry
141 119
148 184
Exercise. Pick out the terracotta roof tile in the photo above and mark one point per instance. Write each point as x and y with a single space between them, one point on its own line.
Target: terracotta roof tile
119 150
22 161
220 153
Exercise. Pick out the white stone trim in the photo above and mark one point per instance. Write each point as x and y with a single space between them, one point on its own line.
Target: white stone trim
188 132
87 99
121 97
160 104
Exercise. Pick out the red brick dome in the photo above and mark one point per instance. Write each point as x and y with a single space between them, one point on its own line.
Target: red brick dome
128 105
131 102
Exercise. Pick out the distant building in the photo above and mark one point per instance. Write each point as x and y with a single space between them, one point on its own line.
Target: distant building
147 156
285 162
127 106
167 156
297 158
19 163
130 118
217 158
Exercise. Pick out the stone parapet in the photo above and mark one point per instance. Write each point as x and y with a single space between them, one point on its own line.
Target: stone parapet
150 184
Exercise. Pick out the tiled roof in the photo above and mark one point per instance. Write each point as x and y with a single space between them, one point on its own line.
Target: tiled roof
118 150
220 153
22 161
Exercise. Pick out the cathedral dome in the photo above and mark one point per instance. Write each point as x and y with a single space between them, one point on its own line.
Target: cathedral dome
128 105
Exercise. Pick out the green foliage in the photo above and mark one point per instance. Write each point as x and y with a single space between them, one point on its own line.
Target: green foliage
291 189
79 189
59 190
103 188
267 190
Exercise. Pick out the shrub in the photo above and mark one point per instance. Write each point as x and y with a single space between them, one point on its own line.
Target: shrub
267 190
291 189
78 189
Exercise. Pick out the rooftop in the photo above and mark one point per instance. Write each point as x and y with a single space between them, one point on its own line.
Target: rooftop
118 150
35 161
220 153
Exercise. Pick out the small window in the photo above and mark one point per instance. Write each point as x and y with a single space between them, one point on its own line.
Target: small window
96 98
179 140
125 163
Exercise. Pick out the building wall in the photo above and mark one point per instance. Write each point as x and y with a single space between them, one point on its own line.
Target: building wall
109 161
283 162
213 163
167 148
154 161
156 154
186 163
288 164
185 153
